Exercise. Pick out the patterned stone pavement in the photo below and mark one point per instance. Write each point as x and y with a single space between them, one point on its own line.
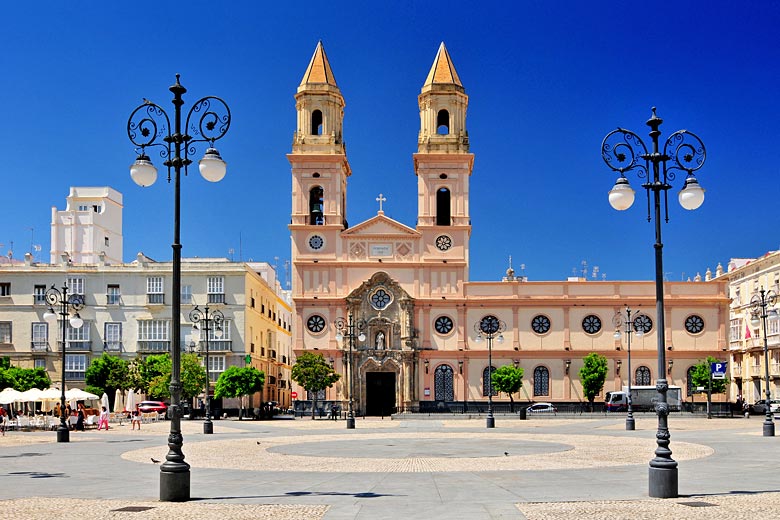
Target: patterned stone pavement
580 454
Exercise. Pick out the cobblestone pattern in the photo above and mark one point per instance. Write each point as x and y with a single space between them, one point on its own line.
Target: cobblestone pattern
37 508
752 506
587 451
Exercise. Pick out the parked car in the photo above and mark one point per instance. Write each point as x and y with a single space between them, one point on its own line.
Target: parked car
759 407
152 406
542 408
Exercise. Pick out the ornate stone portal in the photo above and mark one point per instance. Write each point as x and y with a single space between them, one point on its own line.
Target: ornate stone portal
390 346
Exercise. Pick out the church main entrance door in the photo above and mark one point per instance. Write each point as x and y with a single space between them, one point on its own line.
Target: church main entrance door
380 393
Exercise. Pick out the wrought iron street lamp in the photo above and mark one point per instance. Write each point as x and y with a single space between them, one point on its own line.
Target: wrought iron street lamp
209 321
490 327
67 303
346 331
624 151
758 309
640 324
149 127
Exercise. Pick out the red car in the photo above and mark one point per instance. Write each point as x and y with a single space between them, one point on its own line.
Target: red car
152 406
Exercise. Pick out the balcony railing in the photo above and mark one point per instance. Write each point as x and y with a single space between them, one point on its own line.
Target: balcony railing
76 346
39 346
155 298
220 345
74 376
216 297
154 346
112 346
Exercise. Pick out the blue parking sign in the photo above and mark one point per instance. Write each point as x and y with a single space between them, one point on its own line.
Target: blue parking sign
718 369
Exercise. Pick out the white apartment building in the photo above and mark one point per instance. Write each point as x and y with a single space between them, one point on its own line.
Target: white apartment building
747 276
90 227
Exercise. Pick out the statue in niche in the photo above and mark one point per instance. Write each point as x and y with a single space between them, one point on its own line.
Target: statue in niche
380 340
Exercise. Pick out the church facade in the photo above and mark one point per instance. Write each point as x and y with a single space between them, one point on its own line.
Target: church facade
393 306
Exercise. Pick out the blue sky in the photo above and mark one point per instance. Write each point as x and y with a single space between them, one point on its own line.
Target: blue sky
547 81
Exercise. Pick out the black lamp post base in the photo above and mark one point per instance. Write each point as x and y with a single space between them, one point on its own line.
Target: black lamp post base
630 423
208 427
350 423
663 482
491 422
175 487
769 428
63 434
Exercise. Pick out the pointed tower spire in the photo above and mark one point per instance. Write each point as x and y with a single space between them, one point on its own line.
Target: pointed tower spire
319 70
442 71
320 108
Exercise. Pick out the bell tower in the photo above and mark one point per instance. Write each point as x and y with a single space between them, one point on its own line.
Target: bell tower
319 158
443 164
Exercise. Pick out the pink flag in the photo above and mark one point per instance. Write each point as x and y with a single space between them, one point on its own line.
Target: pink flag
747 330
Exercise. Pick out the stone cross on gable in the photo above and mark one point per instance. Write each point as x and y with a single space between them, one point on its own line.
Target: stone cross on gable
380 199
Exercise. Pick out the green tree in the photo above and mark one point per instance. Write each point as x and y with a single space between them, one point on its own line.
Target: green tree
238 382
27 378
313 373
592 376
157 375
7 379
107 374
508 379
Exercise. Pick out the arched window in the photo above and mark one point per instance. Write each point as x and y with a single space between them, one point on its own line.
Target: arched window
442 384
443 122
689 376
316 122
486 382
316 217
541 381
642 377
443 207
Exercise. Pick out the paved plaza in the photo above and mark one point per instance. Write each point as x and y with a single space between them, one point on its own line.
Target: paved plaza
432 468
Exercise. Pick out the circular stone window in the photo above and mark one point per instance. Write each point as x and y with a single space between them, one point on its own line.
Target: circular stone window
315 323
591 324
643 323
694 324
316 242
489 324
443 242
540 324
443 325
380 298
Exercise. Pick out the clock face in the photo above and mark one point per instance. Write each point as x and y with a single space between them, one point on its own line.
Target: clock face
316 242
489 324
540 324
643 323
443 324
315 323
591 324
443 242
694 324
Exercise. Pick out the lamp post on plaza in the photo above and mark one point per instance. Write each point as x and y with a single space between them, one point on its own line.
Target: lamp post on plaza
149 126
210 321
758 309
624 151
490 327
639 325
66 303
346 331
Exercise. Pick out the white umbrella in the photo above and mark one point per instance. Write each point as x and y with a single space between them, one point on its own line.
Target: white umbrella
130 404
104 401
9 395
49 396
31 395
119 405
79 395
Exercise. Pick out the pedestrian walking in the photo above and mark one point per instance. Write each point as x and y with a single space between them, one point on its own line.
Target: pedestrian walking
103 421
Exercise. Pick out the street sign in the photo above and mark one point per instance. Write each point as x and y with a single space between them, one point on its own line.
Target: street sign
294 395
718 369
